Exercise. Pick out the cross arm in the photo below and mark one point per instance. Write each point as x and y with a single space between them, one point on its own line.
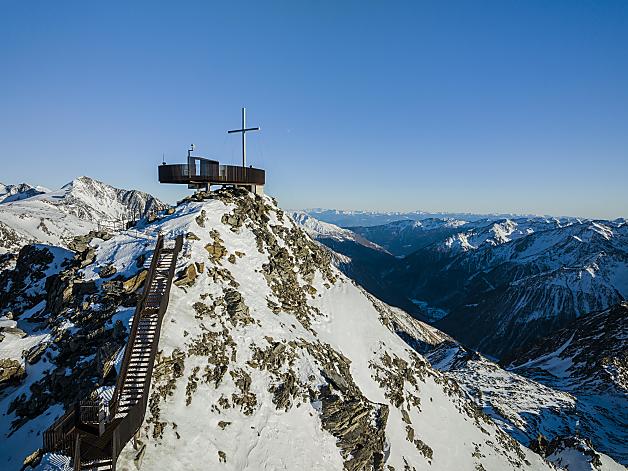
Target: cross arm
243 130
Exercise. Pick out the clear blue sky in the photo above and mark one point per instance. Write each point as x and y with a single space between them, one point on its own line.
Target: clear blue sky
482 106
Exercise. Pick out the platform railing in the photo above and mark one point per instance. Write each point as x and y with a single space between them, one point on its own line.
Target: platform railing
219 174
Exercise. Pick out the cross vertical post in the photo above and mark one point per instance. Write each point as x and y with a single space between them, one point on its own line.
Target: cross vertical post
244 130
243 137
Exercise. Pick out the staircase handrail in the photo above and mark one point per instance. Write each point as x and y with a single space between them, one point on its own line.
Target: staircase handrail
136 320
134 417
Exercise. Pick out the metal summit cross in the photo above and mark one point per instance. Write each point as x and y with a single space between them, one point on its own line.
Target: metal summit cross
244 130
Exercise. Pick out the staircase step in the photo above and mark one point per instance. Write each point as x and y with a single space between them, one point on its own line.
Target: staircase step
129 401
136 380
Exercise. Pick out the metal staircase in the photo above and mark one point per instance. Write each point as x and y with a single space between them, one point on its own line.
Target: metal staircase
93 433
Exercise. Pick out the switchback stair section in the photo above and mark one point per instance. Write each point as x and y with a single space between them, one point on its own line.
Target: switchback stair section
93 433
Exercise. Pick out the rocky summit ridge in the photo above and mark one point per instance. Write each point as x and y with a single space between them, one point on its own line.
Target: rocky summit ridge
270 358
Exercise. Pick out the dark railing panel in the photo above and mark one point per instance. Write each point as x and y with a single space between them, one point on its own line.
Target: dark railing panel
235 174
177 173
211 173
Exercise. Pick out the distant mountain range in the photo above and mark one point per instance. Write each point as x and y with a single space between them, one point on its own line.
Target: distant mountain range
323 230
493 284
35 214
344 218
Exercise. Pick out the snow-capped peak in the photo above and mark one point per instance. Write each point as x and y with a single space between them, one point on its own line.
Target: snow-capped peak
84 204
19 191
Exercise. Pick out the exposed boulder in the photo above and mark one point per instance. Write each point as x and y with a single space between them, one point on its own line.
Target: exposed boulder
81 243
200 219
188 276
87 257
13 331
82 288
11 372
107 271
33 459
238 311
35 353
135 282
216 250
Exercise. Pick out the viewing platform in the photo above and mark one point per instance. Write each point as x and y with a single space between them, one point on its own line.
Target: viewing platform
202 173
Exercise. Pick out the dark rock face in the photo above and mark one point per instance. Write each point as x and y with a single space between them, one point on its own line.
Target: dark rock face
7 261
32 262
59 290
349 420
552 449
596 345
82 360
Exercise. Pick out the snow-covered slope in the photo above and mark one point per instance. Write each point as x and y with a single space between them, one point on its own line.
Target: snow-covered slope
270 358
54 217
589 360
522 407
323 230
